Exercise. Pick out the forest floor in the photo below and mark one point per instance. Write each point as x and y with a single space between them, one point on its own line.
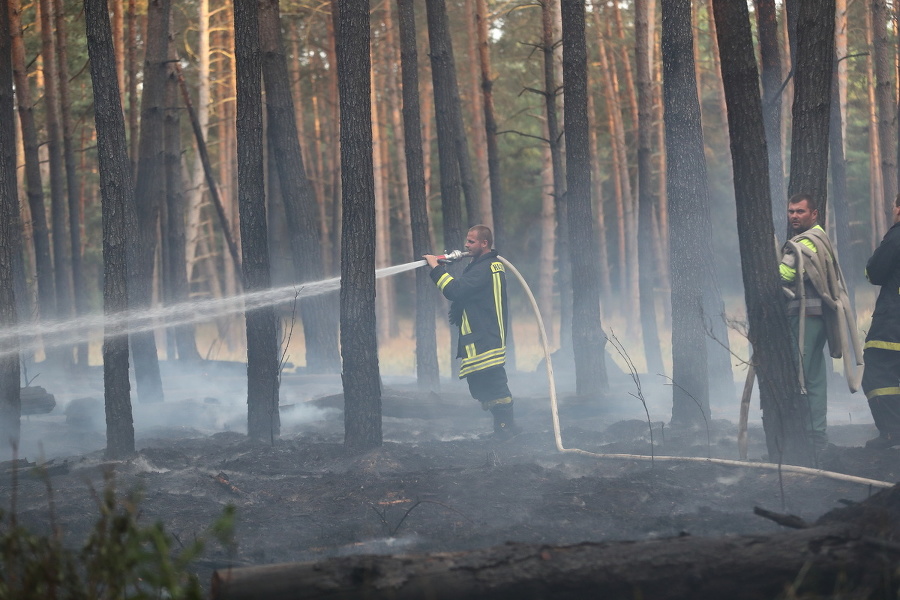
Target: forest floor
439 482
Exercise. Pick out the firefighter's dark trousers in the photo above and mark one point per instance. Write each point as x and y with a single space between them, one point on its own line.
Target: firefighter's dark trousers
489 386
881 383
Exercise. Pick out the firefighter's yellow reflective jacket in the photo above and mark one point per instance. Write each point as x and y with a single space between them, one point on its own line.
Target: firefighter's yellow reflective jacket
479 308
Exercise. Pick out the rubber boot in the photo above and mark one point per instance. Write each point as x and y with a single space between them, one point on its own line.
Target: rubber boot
504 423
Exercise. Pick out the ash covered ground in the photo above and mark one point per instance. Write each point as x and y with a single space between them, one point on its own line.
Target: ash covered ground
439 483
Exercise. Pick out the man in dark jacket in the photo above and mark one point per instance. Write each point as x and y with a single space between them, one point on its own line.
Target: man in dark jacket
479 308
881 378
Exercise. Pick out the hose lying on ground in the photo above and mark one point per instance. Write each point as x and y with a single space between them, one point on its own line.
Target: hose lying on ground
554 409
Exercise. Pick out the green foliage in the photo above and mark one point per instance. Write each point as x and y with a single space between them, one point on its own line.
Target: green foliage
121 559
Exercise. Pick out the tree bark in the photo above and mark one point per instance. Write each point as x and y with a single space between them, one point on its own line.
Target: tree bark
149 195
34 187
876 187
886 95
73 183
774 353
62 263
686 182
647 274
427 373
812 101
119 220
359 347
588 339
319 320
839 199
770 59
263 419
10 244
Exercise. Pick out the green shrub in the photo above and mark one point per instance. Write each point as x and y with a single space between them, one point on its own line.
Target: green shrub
121 559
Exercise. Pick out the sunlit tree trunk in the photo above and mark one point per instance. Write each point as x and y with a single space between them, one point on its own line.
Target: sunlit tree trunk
10 244
119 222
599 202
383 287
62 263
840 53
334 145
193 231
548 244
362 381
118 34
627 72
131 67
876 185
839 199
885 94
263 419
646 233
588 338
427 374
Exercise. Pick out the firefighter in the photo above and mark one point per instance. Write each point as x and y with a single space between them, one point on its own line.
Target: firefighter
882 350
479 309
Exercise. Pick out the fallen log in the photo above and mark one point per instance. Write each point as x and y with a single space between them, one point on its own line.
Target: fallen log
850 549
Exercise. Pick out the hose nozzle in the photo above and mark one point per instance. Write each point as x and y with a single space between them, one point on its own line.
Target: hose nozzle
452 256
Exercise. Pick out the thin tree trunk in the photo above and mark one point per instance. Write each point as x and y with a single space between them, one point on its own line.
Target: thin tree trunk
149 196
885 94
588 339
73 183
198 174
263 419
359 348
319 321
383 288
131 66
118 34
474 81
548 244
427 373
40 235
839 198
490 125
598 201
647 274
119 222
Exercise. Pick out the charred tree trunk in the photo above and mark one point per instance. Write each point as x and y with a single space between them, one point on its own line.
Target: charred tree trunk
73 183
588 339
647 275
359 347
118 222
319 320
812 96
263 419
427 373
774 356
10 244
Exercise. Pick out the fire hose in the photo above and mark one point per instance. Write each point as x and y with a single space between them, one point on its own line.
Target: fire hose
554 409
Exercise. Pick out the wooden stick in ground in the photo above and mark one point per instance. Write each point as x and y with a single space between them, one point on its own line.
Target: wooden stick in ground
745 412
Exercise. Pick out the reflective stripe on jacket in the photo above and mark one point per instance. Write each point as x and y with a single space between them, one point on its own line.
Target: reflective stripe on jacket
883 269
479 308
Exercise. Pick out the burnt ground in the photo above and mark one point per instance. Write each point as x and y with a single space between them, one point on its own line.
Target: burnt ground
438 483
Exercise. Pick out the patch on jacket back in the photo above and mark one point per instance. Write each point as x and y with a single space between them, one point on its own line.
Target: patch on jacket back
497 267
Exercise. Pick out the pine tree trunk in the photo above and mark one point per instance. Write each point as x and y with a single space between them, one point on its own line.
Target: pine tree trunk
588 339
263 419
769 333
885 94
148 197
131 66
10 244
359 347
319 321
686 182
876 185
40 234
119 222
427 373
647 274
